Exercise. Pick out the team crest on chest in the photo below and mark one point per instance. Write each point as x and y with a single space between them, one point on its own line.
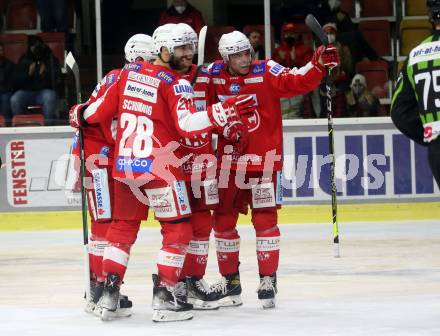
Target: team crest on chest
234 88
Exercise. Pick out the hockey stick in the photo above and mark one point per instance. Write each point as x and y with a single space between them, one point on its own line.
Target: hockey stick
316 28
71 63
200 52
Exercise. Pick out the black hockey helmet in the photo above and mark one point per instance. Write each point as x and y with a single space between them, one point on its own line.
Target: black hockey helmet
433 10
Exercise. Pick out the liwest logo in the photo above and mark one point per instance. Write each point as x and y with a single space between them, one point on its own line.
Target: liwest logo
275 68
180 89
137 90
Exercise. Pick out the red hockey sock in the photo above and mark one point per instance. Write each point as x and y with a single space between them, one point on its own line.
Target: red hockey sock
171 257
196 259
227 245
115 259
268 250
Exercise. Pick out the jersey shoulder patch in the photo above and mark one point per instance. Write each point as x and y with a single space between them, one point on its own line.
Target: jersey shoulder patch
133 67
165 76
275 68
216 68
111 77
258 68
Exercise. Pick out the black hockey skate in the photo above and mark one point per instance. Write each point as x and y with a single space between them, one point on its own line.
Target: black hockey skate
267 290
228 290
168 302
200 295
112 305
96 289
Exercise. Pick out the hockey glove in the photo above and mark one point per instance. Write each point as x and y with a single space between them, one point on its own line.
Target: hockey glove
326 57
244 105
76 119
225 120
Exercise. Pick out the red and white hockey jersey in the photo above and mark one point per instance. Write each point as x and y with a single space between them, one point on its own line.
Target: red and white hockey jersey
199 144
267 81
155 108
99 139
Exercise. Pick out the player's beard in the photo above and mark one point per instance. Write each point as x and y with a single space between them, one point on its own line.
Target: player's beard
178 63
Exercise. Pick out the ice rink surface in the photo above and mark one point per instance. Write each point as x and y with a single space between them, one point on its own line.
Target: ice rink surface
387 282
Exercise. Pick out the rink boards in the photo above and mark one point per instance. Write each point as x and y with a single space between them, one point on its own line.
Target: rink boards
380 175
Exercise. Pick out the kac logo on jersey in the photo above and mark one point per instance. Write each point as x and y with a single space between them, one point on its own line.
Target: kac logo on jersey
165 76
104 151
234 88
259 69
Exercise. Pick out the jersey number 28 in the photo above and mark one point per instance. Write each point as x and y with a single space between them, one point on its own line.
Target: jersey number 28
136 138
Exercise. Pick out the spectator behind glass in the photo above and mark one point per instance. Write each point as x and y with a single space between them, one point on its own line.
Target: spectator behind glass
292 51
348 33
361 102
254 37
342 74
183 12
53 15
6 83
37 79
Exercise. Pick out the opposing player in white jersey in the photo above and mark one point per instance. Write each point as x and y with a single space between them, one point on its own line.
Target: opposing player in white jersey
99 156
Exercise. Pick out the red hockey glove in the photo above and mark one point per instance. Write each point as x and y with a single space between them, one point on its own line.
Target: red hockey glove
326 57
75 115
244 104
225 120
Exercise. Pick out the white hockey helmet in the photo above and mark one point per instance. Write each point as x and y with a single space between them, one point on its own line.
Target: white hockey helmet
139 45
170 35
191 33
232 43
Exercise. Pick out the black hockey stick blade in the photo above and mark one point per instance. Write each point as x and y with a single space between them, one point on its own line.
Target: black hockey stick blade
316 28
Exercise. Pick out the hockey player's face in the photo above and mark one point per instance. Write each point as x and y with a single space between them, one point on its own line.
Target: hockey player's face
239 63
183 56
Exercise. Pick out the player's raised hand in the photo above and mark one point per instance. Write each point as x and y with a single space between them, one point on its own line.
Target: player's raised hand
326 57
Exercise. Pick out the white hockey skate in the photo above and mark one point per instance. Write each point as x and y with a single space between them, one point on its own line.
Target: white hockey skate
228 290
267 290
109 305
200 294
166 303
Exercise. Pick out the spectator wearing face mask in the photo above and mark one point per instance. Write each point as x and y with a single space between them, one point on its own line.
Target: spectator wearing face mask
255 37
360 101
37 79
342 74
292 51
181 11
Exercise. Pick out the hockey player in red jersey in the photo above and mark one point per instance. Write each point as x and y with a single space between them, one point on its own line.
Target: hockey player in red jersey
155 109
255 177
99 155
202 190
